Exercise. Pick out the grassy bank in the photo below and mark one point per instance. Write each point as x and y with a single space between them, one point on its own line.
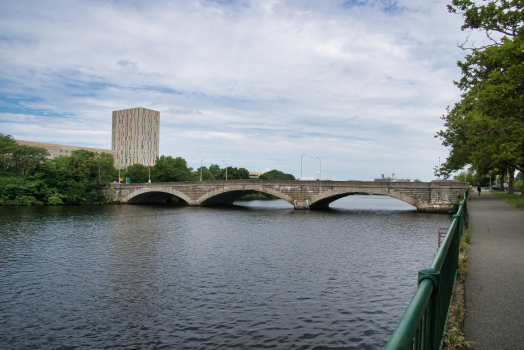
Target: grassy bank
454 338
514 199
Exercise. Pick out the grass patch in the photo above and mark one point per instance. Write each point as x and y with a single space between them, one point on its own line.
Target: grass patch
454 338
514 199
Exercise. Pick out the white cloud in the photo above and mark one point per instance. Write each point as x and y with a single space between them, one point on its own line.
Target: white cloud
254 83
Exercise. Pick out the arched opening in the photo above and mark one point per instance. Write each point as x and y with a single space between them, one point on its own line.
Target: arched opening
324 201
227 198
155 197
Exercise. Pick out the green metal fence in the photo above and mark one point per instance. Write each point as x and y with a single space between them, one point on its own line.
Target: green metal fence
424 322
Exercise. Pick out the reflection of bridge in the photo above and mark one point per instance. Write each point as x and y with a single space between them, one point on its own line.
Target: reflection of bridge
434 196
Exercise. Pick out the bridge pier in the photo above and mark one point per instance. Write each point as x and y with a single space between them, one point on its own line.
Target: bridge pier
432 197
301 205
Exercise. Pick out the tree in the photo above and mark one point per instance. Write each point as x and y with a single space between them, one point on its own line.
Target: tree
214 169
7 144
486 128
169 169
107 172
502 16
276 175
233 174
18 159
207 175
138 173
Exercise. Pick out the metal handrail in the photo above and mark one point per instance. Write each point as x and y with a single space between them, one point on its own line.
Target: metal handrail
424 322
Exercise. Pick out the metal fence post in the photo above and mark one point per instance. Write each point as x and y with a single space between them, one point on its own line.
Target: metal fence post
431 309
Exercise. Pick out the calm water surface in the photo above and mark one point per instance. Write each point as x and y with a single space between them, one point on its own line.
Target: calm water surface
258 275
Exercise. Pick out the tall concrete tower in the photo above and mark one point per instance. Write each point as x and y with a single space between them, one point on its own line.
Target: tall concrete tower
136 133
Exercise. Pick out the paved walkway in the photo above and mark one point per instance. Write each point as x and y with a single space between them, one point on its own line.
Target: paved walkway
494 294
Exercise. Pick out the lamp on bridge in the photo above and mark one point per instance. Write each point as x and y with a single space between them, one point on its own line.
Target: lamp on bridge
301 166
226 168
201 168
320 177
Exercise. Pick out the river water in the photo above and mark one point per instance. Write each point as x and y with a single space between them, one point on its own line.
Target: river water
257 275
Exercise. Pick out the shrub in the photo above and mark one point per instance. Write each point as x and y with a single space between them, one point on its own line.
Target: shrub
518 185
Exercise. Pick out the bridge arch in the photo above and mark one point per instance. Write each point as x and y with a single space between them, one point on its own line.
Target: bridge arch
229 194
158 195
323 200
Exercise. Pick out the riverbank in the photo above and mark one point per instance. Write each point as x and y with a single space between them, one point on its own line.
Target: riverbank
514 199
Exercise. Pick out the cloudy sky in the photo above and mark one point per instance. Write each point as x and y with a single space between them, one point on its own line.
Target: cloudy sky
360 84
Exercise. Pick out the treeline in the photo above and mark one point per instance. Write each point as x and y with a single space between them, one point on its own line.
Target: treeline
28 177
169 169
485 129
473 178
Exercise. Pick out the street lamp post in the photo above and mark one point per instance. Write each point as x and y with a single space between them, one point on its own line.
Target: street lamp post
226 168
320 177
439 168
301 166
149 174
201 168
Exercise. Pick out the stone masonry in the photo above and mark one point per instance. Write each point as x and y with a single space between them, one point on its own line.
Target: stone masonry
434 196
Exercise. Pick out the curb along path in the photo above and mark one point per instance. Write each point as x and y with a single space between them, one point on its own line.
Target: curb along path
494 297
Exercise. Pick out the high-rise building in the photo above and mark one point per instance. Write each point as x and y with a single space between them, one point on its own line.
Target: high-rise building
136 133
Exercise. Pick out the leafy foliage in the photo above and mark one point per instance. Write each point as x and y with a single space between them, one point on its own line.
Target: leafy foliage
233 174
276 175
207 175
138 173
485 130
169 169
214 169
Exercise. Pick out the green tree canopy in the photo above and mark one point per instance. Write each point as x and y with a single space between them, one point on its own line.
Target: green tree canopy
138 173
169 169
233 174
485 130
214 169
17 159
207 175
276 175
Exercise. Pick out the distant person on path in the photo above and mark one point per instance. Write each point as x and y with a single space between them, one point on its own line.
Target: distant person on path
479 188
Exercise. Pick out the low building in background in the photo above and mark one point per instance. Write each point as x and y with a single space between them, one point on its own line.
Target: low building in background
56 150
254 175
393 178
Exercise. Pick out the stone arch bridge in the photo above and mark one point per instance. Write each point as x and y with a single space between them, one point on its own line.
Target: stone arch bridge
434 196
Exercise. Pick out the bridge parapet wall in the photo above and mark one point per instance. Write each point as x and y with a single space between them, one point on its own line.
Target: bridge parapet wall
435 196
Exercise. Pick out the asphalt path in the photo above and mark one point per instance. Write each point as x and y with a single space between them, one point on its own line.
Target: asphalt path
494 290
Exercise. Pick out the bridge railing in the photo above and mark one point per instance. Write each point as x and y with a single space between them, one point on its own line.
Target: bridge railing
424 321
